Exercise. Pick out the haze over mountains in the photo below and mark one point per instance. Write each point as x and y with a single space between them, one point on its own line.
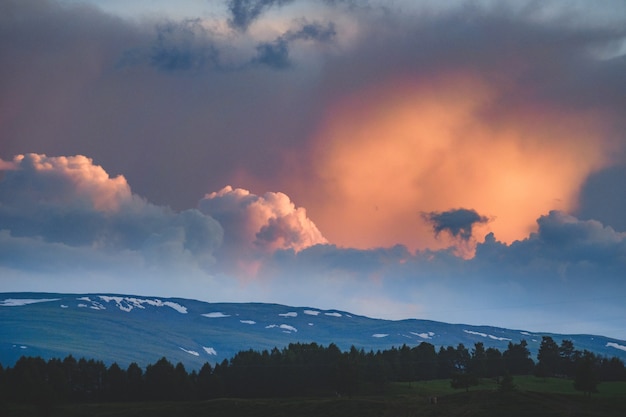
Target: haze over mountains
126 329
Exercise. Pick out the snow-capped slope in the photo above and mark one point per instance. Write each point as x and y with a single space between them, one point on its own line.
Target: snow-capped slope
125 329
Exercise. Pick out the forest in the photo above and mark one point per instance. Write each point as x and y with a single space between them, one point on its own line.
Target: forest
300 369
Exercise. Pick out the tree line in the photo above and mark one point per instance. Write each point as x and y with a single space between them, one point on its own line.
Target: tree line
300 369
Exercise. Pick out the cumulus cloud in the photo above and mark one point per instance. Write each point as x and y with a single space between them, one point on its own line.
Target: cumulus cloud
62 181
73 202
567 246
267 222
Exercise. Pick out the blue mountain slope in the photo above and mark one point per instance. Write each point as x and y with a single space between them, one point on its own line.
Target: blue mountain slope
125 329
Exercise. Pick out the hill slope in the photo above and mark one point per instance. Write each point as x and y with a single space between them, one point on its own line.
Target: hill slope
125 329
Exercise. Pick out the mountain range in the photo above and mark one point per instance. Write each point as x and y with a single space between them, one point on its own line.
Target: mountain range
128 328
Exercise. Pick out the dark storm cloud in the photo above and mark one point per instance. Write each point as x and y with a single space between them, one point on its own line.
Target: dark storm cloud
457 222
244 12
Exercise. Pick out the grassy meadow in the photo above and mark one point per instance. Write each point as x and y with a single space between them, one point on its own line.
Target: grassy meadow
549 397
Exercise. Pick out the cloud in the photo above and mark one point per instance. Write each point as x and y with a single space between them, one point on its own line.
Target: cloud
457 222
244 12
267 222
183 46
59 233
276 54
567 241
567 273
71 202
401 74
426 146
600 199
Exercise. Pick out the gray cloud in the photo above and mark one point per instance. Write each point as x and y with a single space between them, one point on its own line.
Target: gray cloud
564 241
458 222
244 12
567 275
602 197
183 46
276 54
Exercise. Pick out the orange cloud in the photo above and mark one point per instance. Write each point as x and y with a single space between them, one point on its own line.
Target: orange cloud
385 155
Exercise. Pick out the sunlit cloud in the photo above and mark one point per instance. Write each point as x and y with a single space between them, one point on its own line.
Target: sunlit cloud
267 222
385 155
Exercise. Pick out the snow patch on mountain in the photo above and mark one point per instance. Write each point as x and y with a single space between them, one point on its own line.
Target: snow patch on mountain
290 314
424 335
288 328
176 306
127 304
311 312
333 314
191 352
247 321
16 302
210 351
380 335
616 346
94 304
215 315
487 335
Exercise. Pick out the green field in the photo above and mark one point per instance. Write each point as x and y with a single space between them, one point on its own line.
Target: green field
533 397
525 383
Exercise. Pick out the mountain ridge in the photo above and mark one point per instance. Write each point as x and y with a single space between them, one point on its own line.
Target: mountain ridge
129 328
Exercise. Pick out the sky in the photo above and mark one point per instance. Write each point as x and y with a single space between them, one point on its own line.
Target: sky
454 161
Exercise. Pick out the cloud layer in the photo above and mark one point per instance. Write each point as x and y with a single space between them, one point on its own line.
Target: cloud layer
66 225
